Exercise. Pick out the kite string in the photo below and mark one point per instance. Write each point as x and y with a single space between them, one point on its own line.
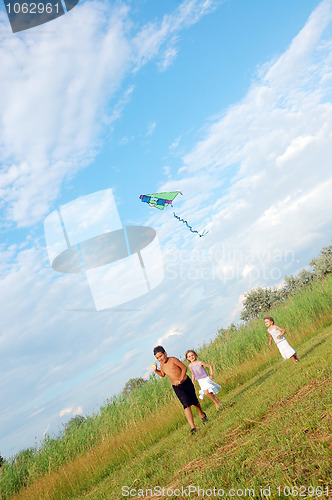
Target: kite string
190 227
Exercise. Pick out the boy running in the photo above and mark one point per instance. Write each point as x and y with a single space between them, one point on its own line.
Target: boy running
181 383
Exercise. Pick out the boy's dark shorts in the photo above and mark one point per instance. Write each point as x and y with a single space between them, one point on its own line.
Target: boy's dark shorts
186 393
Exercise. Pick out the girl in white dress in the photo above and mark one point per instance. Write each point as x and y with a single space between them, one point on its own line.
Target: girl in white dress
277 334
208 386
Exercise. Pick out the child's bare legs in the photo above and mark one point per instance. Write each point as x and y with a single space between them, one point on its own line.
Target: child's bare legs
200 411
189 415
213 398
295 358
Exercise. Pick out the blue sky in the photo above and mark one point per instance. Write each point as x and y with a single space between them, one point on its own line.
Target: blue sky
227 101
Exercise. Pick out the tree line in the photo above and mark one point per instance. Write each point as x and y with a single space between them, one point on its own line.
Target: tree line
260 300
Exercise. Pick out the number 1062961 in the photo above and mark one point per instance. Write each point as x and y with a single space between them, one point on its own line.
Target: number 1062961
303 491
32 8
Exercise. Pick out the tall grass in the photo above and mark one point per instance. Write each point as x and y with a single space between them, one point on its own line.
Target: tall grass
127 424
237 354
273 430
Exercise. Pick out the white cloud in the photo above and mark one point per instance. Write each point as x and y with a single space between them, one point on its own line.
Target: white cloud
72 410
293 64
273 151
152 37
40 410
170 333
295 148
54 91
51 107
168 57
151 128
119 107
260 179
46 430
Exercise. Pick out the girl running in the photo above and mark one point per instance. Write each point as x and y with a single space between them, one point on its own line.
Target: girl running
277 334
208 386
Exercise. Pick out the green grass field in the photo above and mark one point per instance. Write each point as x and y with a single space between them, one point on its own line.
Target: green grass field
272 438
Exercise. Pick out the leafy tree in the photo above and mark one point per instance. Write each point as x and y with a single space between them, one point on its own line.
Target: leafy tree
291 285
73 423
305 278
295 283
133 384
233 327
323 264
258 301
262 299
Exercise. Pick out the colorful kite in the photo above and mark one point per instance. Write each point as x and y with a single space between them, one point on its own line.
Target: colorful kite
162 200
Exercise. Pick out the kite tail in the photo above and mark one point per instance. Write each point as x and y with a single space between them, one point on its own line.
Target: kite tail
190 227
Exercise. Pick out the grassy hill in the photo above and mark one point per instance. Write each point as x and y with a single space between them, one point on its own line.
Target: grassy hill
274 430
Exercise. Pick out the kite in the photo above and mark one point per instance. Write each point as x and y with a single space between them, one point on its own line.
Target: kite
162 200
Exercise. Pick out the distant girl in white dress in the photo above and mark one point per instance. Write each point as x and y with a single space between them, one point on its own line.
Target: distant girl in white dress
277 334
208 386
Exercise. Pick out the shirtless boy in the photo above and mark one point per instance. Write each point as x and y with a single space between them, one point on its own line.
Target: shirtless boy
182 385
